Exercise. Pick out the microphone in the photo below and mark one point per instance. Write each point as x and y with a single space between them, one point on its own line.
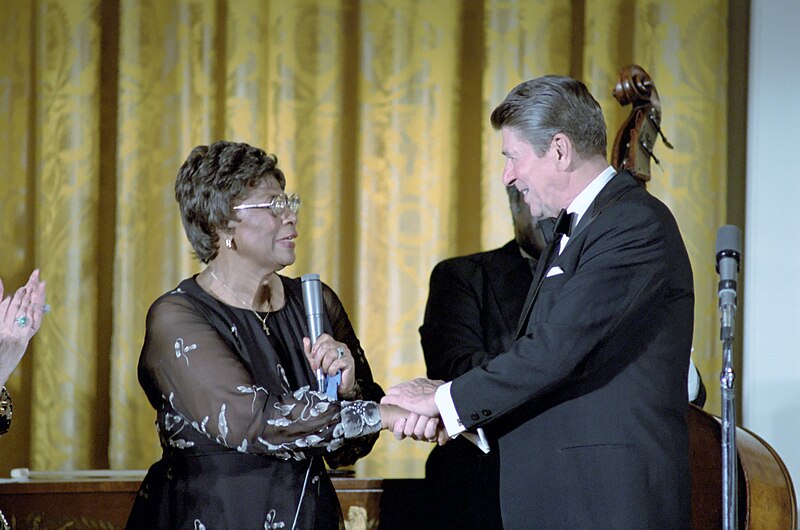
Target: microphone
312 299
729 252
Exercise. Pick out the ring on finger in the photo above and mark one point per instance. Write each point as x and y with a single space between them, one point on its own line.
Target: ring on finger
340 352
45 308
21 321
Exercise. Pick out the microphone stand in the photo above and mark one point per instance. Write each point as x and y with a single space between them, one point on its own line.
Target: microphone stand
729 468
728 256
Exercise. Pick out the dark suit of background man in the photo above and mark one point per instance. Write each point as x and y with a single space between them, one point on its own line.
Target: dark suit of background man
471 316
592 393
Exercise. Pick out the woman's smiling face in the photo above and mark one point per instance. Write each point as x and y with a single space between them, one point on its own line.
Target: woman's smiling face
262 236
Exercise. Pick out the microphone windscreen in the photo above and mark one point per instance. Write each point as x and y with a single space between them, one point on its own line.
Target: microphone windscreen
312 294
729 238
312 300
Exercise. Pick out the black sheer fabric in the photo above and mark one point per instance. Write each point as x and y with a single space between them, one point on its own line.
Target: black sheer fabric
243 433
6 409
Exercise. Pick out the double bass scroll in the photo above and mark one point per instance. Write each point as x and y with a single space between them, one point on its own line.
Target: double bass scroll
633 146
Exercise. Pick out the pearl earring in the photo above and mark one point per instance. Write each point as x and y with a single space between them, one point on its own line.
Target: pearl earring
229 242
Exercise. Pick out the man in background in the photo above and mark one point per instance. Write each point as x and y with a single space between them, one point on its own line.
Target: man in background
471 317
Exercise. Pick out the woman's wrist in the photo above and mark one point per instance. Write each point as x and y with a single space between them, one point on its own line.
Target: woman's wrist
5 371
385 413
390 414
353 394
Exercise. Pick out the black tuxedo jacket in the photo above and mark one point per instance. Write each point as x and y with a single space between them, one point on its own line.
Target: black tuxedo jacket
592 395
471 316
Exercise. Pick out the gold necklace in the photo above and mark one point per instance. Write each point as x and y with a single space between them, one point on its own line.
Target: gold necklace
249 306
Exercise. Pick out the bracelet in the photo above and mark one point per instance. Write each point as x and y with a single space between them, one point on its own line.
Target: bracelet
5 411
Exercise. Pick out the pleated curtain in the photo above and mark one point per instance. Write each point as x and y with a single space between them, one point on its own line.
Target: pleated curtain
378 112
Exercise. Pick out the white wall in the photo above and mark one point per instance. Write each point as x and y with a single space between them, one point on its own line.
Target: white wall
770 376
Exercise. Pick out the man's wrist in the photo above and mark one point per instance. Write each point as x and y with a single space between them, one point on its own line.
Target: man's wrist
447 410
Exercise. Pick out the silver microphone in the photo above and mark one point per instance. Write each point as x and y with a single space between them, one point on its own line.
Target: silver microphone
312 299
729 252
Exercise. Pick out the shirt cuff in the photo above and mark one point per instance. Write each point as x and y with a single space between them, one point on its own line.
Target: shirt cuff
693 382
447 410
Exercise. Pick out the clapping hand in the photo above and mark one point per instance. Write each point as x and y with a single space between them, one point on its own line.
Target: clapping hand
20 318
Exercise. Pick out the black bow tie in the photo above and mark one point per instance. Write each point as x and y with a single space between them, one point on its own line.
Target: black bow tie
563 224
553 226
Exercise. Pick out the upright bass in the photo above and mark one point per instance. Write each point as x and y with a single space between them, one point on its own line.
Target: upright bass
766 496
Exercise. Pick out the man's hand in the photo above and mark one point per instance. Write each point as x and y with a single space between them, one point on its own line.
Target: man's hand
416 395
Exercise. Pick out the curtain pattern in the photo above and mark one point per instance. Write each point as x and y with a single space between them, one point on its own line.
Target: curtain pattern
378 112
66 158
523 40
17 188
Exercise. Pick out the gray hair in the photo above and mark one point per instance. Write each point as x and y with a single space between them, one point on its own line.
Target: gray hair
211 180
543 107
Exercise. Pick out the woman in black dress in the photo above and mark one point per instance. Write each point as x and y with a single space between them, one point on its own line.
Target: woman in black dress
228 367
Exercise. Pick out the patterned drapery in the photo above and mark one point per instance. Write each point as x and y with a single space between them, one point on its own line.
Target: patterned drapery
378 113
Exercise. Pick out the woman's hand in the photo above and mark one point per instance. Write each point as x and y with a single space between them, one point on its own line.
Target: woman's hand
20 318
332 356
405 424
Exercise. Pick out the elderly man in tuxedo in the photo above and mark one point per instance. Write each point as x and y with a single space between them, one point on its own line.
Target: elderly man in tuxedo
590 399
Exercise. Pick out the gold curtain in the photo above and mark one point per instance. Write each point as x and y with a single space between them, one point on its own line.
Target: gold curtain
378 112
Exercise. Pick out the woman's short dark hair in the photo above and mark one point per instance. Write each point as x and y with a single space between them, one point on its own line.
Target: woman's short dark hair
543 107
210 182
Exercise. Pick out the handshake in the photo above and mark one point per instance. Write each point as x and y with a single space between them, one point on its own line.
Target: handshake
409 411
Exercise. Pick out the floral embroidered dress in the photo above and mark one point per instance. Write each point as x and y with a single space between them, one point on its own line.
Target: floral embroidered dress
243 434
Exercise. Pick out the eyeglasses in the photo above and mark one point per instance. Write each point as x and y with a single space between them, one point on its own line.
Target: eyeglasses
277 205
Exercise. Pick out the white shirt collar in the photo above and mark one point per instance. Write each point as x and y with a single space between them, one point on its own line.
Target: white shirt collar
581 203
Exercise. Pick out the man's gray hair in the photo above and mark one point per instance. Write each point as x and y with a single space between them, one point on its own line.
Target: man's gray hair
543 107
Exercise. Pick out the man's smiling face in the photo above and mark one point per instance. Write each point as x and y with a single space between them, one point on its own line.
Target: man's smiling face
534 176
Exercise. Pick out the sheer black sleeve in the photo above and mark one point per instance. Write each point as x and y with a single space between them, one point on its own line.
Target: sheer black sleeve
365 390
203 392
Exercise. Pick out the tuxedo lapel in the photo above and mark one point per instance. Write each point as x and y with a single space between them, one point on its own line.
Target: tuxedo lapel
620 184
541 267
611 192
